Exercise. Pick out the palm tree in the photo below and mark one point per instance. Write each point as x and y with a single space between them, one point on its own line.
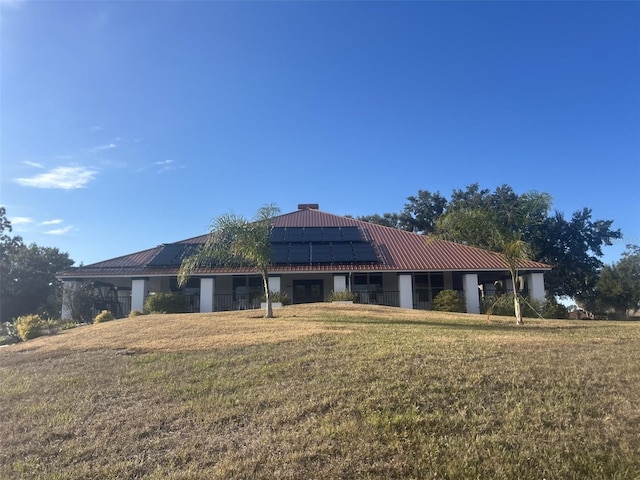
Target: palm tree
514 251
236 241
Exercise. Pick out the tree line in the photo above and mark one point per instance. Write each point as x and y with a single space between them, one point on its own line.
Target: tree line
572 246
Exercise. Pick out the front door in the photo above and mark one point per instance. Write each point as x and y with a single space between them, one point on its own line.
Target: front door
308 291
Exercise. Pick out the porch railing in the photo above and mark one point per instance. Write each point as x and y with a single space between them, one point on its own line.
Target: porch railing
388 298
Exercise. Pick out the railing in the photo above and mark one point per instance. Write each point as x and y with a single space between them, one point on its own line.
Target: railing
389 298
228 301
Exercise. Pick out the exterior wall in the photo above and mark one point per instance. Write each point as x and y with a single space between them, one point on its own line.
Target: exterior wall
139 291
470 288
535 284
275 284
405 286
207 294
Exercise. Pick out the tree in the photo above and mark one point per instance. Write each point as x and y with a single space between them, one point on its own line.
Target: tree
618 285
478 227
29 285
27 276
515 250
422 212
236 241
387 219
573 248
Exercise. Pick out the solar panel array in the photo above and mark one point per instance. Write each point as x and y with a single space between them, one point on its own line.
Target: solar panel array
293 246
172 254
320 245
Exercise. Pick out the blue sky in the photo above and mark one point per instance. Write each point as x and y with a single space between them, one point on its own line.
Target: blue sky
129 124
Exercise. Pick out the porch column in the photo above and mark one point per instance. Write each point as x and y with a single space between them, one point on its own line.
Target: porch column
339 283
405 285
274 284
207 292
535 282
139 289
68 287
470 288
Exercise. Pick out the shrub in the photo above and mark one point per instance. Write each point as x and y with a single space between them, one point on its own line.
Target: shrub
8 333
166 303
449 301
343 296
277 297
135 313
30 326
103 316
503 305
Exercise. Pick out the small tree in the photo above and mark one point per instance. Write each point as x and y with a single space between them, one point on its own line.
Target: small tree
514 252
236 241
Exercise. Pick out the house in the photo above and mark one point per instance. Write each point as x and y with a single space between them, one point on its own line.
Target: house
314 253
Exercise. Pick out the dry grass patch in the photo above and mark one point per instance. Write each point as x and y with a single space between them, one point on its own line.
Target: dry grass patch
324 392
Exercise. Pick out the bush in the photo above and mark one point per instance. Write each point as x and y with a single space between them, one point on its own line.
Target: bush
277 297
449 301
8 333
166 303
135 313
503 305
343 296
103 316
30 326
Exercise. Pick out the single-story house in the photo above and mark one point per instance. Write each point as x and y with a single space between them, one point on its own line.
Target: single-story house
313 254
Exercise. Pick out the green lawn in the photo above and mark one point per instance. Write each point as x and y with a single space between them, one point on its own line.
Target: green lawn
324 392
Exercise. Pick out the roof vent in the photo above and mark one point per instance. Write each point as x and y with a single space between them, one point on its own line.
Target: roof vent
308 206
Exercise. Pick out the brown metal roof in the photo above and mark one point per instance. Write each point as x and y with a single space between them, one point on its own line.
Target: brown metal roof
398 251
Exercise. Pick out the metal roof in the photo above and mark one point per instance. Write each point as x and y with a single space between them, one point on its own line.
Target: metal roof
398 250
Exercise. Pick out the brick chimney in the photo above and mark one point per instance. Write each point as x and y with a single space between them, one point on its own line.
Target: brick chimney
308 206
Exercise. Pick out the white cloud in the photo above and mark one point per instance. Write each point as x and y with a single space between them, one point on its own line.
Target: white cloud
102 148
164 162
59 231
55 221
33 164
65 178
21 221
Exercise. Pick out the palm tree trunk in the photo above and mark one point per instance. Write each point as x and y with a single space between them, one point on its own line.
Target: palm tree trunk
267 296
516 307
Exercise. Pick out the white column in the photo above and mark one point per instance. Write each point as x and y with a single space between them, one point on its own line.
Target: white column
405 285
139 289
535 282
339 283
470 287
68 286
274 284
207 292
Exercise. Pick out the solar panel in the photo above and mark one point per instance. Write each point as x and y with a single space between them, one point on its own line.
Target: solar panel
351 234
280 253
172 254
276 235
364 252
342 252
299 253
321 253
312 234
332 234
293 234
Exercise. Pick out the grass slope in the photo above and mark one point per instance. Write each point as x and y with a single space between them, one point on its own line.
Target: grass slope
323 392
